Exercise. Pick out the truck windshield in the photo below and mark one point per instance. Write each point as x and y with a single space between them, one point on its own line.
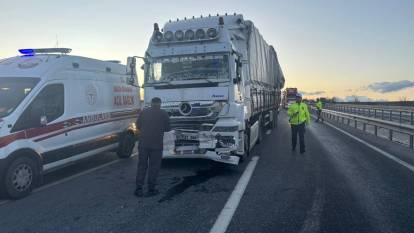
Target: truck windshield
211 67
13 91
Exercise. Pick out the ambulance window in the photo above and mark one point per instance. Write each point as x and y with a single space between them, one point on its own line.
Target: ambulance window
48 103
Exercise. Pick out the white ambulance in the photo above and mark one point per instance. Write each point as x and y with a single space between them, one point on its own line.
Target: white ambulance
56 109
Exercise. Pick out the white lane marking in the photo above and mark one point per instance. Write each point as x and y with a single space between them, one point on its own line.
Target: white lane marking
384 153
223 220
71 177
313 216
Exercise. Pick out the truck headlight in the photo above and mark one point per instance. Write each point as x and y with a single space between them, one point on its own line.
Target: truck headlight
212 32
217 106
225 141
179 35
189 34
169 35
158 36
200 34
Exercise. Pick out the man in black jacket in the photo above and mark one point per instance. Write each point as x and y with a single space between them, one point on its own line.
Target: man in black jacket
152 123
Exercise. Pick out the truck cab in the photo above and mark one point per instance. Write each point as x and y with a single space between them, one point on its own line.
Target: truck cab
200 68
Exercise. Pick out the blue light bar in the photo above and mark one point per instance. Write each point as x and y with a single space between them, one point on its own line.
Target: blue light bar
31 52
27 51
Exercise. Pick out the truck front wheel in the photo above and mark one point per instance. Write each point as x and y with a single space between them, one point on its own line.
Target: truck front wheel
246 145
21 177
260 132
275 118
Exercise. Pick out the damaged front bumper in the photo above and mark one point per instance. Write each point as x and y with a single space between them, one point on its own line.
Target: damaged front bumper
217 146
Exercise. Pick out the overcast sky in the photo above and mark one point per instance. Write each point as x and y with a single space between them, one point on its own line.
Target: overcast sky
328 48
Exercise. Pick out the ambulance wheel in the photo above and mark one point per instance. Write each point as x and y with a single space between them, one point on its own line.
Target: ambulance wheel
126 146
21 177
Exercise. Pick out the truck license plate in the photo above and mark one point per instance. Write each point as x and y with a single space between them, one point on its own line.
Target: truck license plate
187 137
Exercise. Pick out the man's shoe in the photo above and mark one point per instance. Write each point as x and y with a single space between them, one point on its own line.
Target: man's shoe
302 151
152 192
293 148
138 192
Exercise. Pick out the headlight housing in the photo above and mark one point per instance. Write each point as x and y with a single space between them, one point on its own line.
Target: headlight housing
200 34
158 36
217 106
212 32
189 34
169 36
179 35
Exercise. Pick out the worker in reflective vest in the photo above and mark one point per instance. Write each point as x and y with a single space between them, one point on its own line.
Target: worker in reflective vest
298 117
319 107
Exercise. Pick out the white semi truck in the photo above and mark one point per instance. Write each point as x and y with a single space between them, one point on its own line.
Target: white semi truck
220 83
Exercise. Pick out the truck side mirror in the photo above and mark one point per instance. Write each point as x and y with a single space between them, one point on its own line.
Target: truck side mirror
131 80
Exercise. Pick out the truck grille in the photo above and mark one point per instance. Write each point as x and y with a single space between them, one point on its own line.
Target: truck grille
198 118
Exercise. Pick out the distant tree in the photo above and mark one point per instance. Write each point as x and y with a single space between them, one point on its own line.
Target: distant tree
403 99
335 99
355 99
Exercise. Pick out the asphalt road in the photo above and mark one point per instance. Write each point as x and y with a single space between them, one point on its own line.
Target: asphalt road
338 185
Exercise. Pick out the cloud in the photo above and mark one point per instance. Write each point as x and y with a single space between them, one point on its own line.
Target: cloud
385 87
312 93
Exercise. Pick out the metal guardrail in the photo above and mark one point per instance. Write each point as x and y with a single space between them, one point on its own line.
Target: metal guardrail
391 127
401 115
386 107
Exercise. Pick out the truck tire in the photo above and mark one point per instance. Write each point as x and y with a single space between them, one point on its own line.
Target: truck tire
260 133
275 118
21 177
126 146
246 142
